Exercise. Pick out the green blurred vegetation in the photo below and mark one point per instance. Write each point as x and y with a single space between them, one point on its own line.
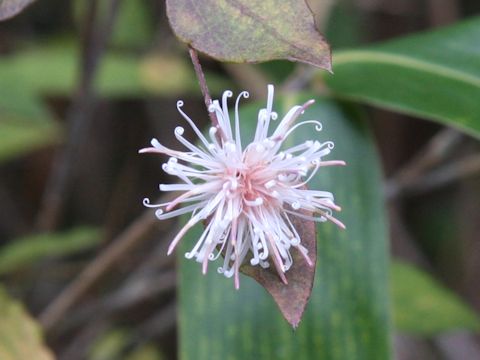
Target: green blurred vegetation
24 252
435 76
422 306
20 336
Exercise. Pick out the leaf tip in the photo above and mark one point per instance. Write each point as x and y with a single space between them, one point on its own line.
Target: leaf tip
295 324
328 65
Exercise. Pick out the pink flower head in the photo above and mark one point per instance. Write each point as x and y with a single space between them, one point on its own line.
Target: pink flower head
246 194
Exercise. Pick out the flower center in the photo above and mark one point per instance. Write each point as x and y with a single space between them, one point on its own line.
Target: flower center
247 184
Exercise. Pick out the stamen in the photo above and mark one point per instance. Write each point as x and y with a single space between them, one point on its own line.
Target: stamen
191 123
244 193
238 140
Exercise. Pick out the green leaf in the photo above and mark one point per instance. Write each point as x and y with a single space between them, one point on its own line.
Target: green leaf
10 8
348 313
110 345
20 137
250 31
435 75
25 124
22 252
133 14
133 27
425 307
20 336
146 352
51 69
344 26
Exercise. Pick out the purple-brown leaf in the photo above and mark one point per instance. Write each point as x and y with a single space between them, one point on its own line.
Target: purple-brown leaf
250 30
291 298
10 8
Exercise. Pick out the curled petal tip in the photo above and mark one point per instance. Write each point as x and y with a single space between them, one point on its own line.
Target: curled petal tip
309 262
283 278
205 265
149 150
308 103
226 185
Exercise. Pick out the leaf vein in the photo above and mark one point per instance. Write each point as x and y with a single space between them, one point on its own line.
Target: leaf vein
408 62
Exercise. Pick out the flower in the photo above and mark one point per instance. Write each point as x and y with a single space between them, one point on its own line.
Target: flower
246 195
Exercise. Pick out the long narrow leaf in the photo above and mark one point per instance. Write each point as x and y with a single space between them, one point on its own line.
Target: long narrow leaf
435 75
348 313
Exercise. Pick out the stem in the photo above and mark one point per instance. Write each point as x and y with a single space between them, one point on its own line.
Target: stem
121 246
79 116
454 171
428 157
203 85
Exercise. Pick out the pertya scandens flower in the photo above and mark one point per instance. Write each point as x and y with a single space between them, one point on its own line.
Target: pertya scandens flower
246 195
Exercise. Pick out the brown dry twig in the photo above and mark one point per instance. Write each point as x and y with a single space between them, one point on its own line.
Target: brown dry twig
79 116
139 230
444 175
132 293
428 157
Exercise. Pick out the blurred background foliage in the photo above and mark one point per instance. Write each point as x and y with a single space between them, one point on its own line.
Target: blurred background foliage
89 264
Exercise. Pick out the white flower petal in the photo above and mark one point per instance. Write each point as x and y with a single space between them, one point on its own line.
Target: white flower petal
244 193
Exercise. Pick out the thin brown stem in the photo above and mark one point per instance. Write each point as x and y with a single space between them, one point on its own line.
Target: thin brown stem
139 230
203 84
444 175
79 116
428 157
